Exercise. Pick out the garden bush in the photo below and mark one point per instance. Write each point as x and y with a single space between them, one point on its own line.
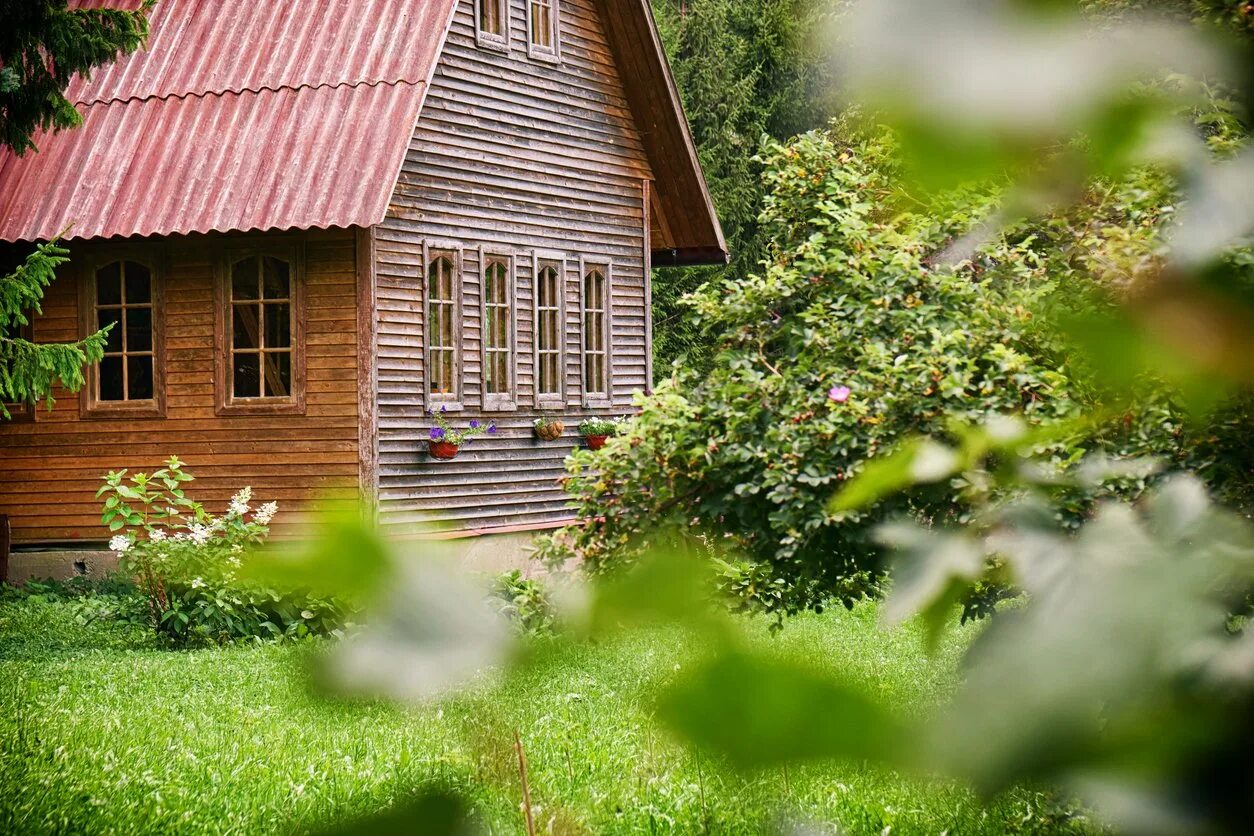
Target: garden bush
187 563
876 317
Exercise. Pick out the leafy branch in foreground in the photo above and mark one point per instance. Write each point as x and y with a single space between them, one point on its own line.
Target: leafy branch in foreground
29 371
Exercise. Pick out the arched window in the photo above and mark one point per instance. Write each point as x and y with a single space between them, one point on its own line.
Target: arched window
122 295
596 335
550 370
497 332
262 364
443 328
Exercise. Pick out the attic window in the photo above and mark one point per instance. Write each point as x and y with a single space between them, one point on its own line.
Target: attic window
542 30
492 23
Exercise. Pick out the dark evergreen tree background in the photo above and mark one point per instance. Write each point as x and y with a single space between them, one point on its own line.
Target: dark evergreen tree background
745 69
43 44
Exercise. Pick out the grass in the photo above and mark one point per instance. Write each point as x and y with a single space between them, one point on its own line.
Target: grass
103 732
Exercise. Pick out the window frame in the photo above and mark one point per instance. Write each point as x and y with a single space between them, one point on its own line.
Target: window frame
90 405
596 400
537 52
431 250
24 412
490 40
291 250
498 401
539 261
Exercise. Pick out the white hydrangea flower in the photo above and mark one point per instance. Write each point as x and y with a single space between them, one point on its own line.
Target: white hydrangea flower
266 513
180 537
121 543
239 503
199 534
198 583
157 535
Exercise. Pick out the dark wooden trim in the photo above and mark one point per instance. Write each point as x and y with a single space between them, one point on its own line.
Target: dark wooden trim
367 367
291 249
509 401
688 257
539 53
647 200
151 256
541 259
486 40
6 543
457 402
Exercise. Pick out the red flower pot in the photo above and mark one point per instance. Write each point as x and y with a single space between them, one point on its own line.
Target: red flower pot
443 450
595 442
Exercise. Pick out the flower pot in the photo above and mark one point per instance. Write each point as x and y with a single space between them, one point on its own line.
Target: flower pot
595 442
443 450
551 431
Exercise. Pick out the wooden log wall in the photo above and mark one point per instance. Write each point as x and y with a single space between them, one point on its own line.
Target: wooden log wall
50 468
519 154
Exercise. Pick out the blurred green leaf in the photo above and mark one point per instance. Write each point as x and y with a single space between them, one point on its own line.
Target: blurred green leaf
760 711
433 813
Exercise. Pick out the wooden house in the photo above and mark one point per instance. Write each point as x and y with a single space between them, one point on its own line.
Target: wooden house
313 221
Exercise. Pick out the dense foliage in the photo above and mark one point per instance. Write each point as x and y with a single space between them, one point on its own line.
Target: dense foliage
745 69
188 563
43 45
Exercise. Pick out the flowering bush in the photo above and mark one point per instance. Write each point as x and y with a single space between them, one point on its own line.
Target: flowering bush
443 430
187 562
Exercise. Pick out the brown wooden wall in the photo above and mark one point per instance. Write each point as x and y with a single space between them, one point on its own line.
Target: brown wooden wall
50 469
509 152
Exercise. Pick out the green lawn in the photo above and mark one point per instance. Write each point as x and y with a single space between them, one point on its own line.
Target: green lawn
101 732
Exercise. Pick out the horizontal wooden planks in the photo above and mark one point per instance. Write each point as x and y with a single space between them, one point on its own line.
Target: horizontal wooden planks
50 469
517 156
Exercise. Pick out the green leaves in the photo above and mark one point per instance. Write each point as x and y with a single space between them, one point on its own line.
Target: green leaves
758 711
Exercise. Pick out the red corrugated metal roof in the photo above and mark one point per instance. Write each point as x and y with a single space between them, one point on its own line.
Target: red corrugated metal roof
239 115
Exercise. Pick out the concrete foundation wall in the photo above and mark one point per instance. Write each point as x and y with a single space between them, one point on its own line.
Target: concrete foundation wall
489 555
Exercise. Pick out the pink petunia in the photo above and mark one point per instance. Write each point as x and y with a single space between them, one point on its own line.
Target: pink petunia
840 394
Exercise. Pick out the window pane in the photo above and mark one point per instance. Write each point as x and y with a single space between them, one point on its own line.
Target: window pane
103 318
139 329
278 326
109 284
138 284
244 330
244 279
276 278
246 376
111 387
278 374
139 378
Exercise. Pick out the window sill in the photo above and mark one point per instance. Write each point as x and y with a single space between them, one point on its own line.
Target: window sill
261 407
551 405
112 412
447 406
538 53
598 403
492 42
491 405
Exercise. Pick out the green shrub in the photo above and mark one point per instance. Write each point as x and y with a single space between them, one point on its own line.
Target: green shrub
851 339
187 562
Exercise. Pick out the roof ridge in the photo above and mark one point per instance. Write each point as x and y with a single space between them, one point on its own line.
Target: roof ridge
205 94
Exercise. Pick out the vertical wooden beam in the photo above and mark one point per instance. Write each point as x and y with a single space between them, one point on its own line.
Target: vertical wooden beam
6 540
646 189
367 368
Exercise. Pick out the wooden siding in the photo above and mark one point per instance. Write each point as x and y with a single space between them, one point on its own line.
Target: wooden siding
50 469
518 155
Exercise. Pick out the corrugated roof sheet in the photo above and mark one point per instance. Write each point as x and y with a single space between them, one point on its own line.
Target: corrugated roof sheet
239 115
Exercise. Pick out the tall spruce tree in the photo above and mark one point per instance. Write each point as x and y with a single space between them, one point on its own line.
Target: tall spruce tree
745 69
43 45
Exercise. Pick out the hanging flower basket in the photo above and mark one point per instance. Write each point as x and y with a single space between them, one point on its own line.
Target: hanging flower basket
549 430
444 450
596 431
596 442
445 442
